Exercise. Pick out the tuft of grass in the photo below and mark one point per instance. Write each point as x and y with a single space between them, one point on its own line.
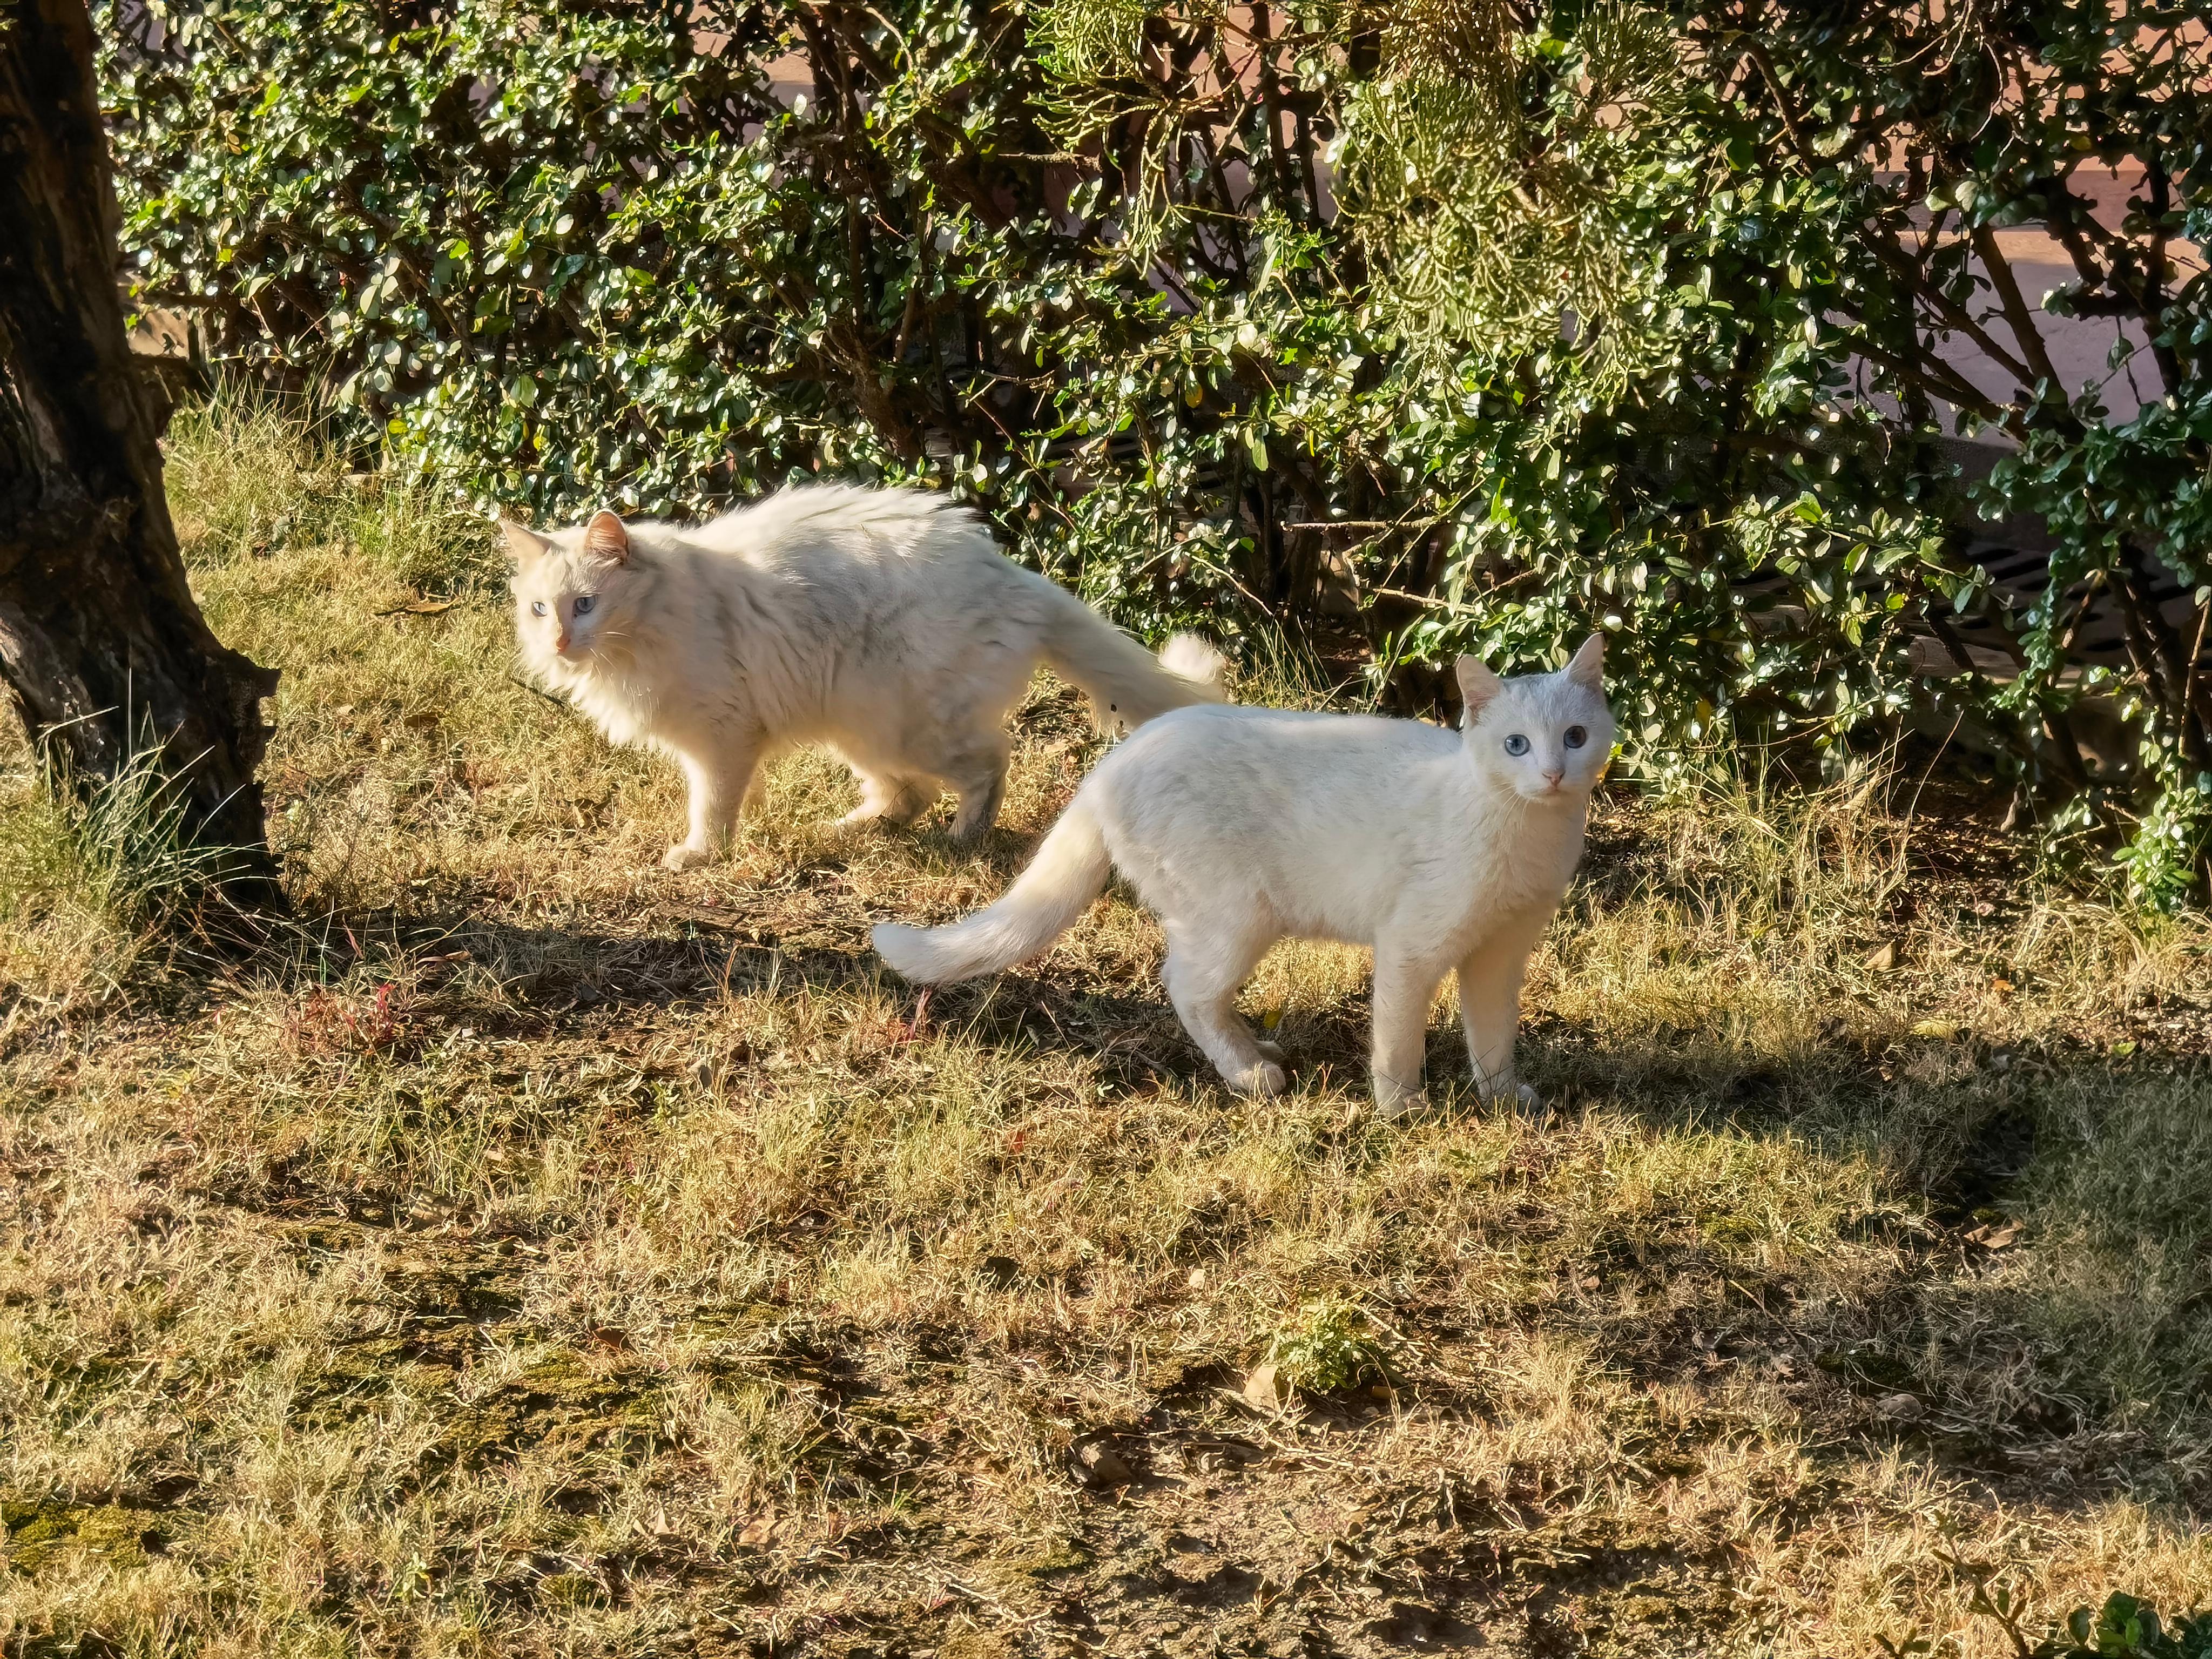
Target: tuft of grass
250 476
123 844
554 1254
94 880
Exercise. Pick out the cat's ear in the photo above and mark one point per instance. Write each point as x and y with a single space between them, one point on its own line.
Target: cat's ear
1478 685
1587 666
523 546
605 538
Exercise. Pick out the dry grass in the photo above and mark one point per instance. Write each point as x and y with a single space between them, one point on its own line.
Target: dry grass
553 1255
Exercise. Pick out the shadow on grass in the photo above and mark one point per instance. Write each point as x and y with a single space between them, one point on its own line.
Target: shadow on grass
2007 1278
2020 1296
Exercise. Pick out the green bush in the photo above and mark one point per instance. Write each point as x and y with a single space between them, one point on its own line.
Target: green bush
1330 1345
1409 331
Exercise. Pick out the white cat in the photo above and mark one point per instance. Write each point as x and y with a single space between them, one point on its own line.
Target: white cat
1244 826
882 622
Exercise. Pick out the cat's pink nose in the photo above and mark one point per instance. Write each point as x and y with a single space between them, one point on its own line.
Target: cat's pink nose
1555 778
561 643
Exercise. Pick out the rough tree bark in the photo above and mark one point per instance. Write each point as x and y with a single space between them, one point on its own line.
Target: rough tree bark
100 640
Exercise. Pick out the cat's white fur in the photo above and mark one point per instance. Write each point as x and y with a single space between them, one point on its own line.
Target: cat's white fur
1242 826
884 623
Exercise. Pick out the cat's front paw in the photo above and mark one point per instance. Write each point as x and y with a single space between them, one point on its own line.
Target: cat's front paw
684 856
1263 1079
1394 1096
1392 1103
1518 1096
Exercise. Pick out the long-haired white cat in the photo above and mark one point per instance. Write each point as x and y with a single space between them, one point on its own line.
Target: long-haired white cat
1243 826
881 622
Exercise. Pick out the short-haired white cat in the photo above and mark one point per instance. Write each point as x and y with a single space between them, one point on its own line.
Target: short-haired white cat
1445 851
884 623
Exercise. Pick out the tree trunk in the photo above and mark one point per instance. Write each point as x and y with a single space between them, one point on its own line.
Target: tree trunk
101 645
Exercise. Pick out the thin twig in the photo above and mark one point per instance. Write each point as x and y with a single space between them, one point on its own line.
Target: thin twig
540 691
1459 606
2195 660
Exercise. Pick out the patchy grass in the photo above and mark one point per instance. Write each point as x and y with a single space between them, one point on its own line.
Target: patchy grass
555 1255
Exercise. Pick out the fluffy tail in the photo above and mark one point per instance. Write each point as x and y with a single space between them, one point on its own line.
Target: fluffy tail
1126 684
1068 871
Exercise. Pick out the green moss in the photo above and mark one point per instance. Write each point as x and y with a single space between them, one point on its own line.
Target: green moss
1054 1554
354 1378
557 1399
41 1531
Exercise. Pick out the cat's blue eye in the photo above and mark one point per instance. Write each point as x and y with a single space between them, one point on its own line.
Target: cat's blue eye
1517 745
1574 737
584 603
537 608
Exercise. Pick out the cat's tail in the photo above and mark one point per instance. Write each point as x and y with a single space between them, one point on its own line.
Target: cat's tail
1126 684
1069 871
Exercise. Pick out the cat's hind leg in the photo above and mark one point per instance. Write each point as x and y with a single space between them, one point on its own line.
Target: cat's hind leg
978 775
890 797
1202 974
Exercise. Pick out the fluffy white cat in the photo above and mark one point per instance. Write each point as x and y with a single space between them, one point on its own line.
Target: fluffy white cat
884 623
1243 826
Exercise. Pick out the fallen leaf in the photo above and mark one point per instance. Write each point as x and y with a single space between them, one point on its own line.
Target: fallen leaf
1995 1236
1266 1388
1901 1408
1102 1466
1197 1281
1942 1030
2124 1049
420 608
759 1531
1882 958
